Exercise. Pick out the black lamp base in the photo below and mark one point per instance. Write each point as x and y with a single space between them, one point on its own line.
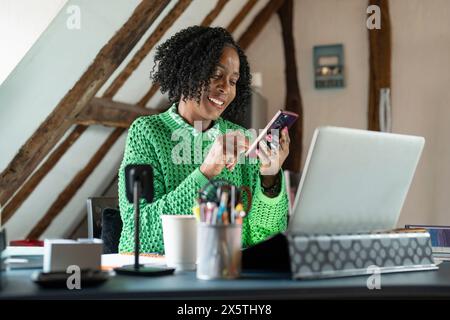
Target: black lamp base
144 271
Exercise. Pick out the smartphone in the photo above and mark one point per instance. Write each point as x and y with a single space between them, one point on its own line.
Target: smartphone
279 121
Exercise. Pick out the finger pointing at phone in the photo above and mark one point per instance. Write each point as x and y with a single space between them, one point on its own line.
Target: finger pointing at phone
224 152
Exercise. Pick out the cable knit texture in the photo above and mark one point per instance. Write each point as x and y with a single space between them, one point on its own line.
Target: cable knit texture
176 150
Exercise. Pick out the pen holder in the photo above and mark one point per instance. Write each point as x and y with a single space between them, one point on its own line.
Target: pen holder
218 251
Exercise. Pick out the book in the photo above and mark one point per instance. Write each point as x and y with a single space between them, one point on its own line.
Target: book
23 257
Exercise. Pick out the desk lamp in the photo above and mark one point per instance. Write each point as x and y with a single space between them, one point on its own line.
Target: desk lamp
139 184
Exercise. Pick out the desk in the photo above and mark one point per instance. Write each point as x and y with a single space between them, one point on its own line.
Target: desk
424 284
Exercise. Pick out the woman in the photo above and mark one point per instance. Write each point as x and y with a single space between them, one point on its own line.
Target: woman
206 76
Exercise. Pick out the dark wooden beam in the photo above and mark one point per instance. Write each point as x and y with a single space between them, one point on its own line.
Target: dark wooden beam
214 13
206 22
293 101
379 63
162 28
105 112
259 22
66 195
150 93
83 222
59 121
30 185
241 15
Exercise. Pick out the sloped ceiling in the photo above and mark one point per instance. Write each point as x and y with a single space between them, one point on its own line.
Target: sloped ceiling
21 24
46 73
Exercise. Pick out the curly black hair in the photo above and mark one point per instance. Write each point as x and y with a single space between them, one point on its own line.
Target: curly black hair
185 63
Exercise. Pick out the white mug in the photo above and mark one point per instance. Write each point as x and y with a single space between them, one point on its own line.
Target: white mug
180 241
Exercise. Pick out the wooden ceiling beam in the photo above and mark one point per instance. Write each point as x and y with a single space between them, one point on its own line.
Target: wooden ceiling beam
259 22
148 95
72 188
293 100
234 24
140 55
30 185
214 13
59 121
379 63
105 112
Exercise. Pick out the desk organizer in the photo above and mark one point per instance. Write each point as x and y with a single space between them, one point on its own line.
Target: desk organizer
59 254
325 256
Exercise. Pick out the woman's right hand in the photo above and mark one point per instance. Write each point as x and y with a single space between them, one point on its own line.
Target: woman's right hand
224 152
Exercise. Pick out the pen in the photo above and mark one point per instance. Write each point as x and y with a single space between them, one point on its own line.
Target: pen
233 203
223 205
214 215
209 212
196 212
240 214
203 212
225 218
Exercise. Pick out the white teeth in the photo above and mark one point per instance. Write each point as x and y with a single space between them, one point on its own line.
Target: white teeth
216 101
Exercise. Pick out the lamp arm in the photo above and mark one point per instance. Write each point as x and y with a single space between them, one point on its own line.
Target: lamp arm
136 193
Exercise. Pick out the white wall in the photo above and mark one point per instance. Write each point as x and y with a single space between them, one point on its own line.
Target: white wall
427 53
420 80
21 23
421 50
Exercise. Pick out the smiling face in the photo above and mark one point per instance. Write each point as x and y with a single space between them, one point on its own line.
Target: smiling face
222 88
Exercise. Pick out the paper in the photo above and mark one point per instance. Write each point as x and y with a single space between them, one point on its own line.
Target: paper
115 260
22 251
23 257
28 262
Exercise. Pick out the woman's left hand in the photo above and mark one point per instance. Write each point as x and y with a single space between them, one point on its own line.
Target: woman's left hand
273 158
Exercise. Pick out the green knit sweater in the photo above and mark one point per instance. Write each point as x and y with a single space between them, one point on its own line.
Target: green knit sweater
157 140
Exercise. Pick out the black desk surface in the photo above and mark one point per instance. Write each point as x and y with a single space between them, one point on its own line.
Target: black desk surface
17 284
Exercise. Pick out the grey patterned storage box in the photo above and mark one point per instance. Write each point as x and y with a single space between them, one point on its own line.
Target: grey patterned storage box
323 256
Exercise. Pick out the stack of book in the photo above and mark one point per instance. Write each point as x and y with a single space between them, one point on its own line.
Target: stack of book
441 253
440 240
23 257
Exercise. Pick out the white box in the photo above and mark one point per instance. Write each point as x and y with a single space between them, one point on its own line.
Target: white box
59 254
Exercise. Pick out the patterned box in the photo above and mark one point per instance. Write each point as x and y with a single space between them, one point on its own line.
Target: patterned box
325 256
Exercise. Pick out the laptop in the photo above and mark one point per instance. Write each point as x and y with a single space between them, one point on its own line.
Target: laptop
354 181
